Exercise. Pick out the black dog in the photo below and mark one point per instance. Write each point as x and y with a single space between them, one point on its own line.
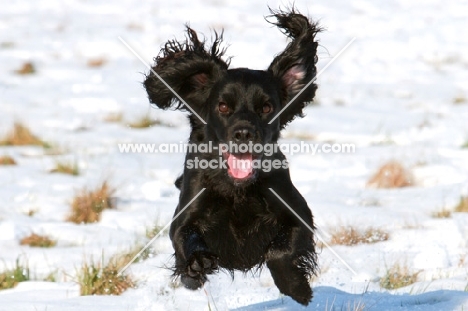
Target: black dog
238 223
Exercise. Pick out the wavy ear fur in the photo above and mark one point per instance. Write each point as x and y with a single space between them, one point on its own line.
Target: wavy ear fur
295 66
188 69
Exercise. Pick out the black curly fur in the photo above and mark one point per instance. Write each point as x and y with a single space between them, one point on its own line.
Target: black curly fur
177 64
301 52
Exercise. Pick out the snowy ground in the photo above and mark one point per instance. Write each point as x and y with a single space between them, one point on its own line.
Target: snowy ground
399 92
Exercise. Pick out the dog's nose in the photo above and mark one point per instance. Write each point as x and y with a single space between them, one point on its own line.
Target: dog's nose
243 135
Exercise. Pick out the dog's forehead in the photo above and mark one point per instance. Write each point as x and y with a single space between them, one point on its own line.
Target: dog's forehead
244 78
247 75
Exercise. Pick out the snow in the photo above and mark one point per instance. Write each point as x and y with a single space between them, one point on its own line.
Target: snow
391 93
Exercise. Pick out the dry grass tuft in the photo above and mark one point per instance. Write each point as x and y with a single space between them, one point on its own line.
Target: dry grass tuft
443 213
51 277
398 276
10 278
125 257
7 45
351 236
7 160
70 168
413 224
135 26
114 117
96 62
462 260
391 175
301 135
26 69
459 100
152 231
31 212
96 279
35 240
462 207
144 121
87 205
21 135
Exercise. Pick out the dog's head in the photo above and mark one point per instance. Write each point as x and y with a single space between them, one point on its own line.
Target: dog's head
237 106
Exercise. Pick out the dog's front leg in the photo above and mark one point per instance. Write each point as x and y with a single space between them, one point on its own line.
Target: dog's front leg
193 258
291 256
291 261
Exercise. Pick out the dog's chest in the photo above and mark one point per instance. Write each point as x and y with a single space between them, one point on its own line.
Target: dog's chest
244 227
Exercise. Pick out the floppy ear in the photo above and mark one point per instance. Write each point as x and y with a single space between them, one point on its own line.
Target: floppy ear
188 69
295 66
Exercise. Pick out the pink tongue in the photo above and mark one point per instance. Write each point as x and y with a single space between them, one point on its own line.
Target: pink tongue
240 166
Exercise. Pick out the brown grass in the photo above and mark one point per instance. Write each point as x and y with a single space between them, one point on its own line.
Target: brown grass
95 279
398 276
462 260
7 44
443 213
35 240
300 135
351 236
135 26
26 69
7 160
31 212
144 121
96 62
459 100
51 277
462 206
391 175
21 135
114 117
152 231
11 277
69 168
414 224
125 257
88 205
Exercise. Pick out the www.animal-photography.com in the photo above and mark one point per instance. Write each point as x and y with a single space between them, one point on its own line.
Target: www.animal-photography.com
233 155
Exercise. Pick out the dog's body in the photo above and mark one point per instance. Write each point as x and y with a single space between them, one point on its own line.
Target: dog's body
237 222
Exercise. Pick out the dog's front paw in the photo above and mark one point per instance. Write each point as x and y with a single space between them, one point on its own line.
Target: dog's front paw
199 264
302 294
202 262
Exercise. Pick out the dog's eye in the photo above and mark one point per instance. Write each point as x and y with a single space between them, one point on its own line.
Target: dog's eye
223 107
266 108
